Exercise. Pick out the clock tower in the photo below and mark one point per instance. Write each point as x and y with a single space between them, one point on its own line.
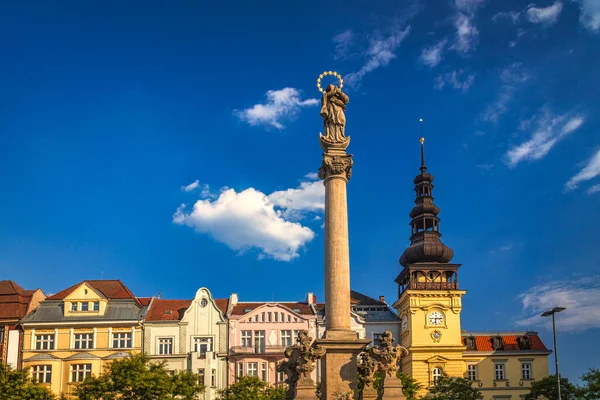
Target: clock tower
429 300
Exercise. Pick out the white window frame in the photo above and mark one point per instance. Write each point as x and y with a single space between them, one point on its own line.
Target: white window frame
213 378
198 341
125 338
436 374
286 337
96 303
251 369
472 372
246 339
163 343
529 370
201 375
45 340
80 371
499 370
42 373
240 369
85 341
264 372
87 306
74 306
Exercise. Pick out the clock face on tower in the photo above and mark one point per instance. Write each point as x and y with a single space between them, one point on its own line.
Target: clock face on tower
404 323
436 318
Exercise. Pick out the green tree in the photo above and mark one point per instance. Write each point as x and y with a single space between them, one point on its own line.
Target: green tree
410 386
592 384
252 388
136 378
547 387
447 388
16 384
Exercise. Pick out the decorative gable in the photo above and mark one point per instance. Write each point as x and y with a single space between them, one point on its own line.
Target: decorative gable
84 300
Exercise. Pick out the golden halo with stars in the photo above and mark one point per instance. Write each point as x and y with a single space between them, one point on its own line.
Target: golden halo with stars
332 73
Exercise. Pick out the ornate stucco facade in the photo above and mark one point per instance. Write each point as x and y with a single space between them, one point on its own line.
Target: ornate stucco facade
190 335
76 332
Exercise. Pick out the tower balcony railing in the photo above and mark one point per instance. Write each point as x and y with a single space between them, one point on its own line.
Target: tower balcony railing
267 349
429 286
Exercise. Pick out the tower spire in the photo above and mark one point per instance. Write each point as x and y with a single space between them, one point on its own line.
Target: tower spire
425 242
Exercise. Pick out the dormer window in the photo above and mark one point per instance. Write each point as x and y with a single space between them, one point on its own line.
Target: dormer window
96 306
74 306
84 306
296 310
168 312
247 310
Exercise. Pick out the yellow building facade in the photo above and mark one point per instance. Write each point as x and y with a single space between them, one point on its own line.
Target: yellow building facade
502 365
78 331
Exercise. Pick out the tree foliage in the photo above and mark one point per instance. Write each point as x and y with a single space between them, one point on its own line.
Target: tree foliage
447 388
16 384
410 386
547 387
136 378
592 382
252 388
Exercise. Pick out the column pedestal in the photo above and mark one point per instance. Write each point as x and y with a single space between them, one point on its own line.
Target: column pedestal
391 389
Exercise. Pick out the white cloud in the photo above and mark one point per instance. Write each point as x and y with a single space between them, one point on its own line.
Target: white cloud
590 14
502 249
343 42
310 196
283 103
544 15
511 77
512 15
485 168
590 171
454 79
580 297
468 5
312 176
466 33
593 189
550 129
380 53
432 56
191 186
251 219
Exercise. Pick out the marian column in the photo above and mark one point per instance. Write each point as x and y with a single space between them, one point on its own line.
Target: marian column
339 365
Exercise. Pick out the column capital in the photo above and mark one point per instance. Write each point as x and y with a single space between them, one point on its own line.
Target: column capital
336 166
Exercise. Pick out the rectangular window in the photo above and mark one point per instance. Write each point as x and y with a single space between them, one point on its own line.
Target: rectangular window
122 340
240 371
252 369
74 306
286 338
276 315
201 375
213 378
526 371
84 341
84 306
259 341
280 377
472 372
42 373
202 345
44 342
165 346
1 334
96 306
80 371
263 371
247 338
499 372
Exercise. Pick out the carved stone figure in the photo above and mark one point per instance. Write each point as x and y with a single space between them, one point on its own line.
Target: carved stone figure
333 104
523 342
299 365
497 343
386 354
366 368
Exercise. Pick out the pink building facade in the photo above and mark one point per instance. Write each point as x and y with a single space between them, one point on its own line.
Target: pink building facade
259 332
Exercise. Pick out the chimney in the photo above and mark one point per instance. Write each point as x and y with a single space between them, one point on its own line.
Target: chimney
382 299
311 298
233 300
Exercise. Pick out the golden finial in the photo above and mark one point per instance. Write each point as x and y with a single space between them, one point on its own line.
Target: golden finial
422 140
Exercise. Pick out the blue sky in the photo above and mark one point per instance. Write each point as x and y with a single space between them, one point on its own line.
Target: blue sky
173 145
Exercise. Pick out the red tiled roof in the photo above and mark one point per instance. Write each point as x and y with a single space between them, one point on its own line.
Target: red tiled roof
484 342
144 301
14 300
167 310
363 300
241 308
222 305
111 289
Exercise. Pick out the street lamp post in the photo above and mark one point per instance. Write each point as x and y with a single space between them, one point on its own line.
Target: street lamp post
547 314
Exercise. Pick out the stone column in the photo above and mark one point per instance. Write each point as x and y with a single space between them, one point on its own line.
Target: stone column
341 344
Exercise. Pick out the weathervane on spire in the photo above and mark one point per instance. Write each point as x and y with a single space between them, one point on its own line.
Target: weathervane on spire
423 167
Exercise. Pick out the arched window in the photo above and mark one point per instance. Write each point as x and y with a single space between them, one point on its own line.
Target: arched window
437 374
